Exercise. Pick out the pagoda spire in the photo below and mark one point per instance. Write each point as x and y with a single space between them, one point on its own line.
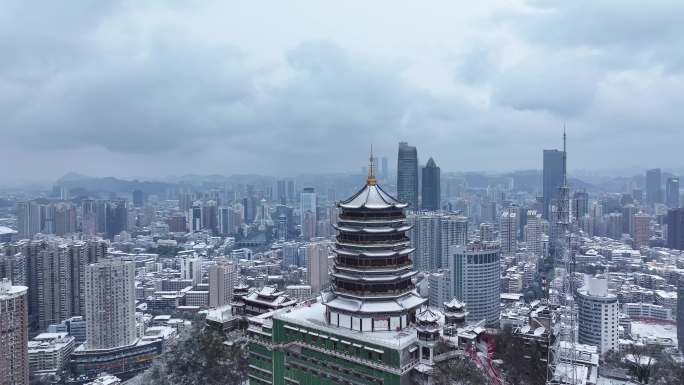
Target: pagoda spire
371 181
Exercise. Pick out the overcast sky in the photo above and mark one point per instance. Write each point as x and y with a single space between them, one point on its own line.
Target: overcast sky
289 87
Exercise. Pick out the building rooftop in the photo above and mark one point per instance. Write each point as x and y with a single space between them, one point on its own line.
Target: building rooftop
313 316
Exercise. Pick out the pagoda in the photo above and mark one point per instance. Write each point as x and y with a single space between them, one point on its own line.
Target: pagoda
371 279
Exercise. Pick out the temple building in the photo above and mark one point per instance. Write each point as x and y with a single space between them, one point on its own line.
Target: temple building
363 329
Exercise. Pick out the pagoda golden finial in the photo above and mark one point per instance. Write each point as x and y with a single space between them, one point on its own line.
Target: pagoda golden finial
371 174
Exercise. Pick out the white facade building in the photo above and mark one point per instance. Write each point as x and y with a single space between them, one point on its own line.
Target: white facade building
598 315
317 257
49 352
222 279
475 279
439 289
534 233
191 268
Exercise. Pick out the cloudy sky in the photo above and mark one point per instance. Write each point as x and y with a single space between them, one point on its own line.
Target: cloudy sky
286 87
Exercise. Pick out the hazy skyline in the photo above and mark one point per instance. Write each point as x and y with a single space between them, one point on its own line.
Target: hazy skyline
155 89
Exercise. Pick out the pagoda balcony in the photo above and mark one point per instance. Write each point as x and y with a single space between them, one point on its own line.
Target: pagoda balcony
384 268
366 294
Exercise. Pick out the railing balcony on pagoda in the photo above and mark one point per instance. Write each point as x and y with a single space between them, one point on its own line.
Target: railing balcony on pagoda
371 263
375 215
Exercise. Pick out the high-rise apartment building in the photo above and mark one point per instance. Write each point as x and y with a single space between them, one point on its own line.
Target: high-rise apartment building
642 229
191 269
317 258
486 232
475 279
439 288
407 175
14 361
110 304
552 179
430 197
672 193
654 183
432 234
82 254
597 316
580 204
534 233
223 276
508 230
52 280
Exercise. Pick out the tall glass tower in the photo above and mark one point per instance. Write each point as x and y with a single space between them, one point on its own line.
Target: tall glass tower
407 175
430 194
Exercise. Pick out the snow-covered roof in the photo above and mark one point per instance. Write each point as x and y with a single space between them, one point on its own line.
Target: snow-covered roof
394 305
371 196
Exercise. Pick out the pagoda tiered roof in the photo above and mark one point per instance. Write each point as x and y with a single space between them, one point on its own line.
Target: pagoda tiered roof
371 196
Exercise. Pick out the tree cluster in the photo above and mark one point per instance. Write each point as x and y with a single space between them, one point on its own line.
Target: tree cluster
524 362
648 364
202 357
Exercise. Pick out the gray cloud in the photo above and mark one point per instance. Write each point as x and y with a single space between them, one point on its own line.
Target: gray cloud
137 88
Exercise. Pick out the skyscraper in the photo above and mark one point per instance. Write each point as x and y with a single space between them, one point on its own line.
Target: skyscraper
675 228
654 189
672 193
138 198
552 179
308 209
116 217
475 278
430 188
508 230
110 304
534 233
407 175
14 362
195 217
281 191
